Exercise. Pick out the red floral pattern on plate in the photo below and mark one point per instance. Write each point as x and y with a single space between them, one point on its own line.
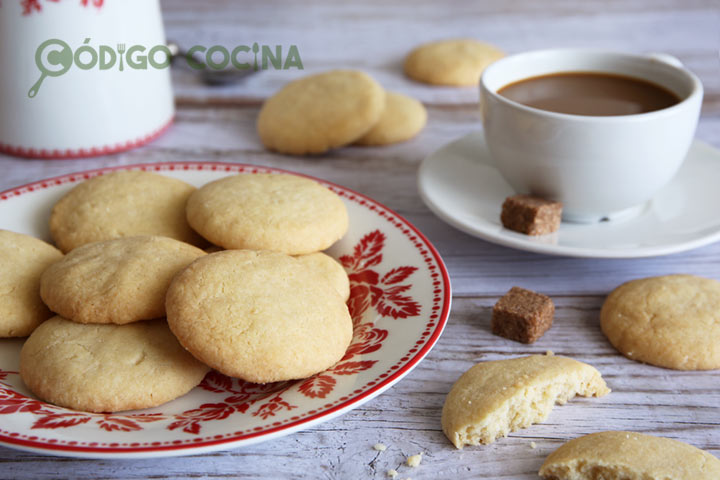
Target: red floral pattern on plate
368 289
395 273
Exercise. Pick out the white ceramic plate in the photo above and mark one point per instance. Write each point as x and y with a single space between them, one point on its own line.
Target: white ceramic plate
460 184
400 300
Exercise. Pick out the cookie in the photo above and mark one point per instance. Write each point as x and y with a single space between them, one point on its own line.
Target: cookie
22 260
328 268
456 63
320 112
671 321
259 316
495 398
107 368
116 281
402 119
629 456
122 204
286 213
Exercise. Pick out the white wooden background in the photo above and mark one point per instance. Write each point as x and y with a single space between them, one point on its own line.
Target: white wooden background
218 124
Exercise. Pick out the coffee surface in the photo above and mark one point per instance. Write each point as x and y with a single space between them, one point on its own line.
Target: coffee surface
589 93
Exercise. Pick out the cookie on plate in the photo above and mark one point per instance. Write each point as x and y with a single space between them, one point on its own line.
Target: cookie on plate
116 281
495 398
402 119
107 368
671 321
257 315
328 268
122 204
281 212
23 259
456 63
631 456
320 112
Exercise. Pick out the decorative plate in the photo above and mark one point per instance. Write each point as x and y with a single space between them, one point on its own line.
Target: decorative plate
399 302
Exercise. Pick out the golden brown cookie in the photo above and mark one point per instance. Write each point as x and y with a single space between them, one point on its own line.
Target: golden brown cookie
495 398
259 316
629 456
456 63
281 212
402 119
116 281
122 204
107 368
671 321
329 268
320 112
23 259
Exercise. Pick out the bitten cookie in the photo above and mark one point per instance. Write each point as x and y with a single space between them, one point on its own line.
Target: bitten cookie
107 368
23 259
329 268
495 398
402 119
456 63
286 213
671 321
122 204
259 316
116 281
320 112
629 456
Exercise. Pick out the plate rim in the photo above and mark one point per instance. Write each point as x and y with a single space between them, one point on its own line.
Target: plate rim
270 433
507 240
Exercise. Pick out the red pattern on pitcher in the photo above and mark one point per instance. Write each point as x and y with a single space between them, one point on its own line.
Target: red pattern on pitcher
368 288
31 6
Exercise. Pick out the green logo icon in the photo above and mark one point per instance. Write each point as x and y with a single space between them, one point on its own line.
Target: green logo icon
53 58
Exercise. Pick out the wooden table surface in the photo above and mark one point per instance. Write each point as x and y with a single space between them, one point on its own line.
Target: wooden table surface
218 124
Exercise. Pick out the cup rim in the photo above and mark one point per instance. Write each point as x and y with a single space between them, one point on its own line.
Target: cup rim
697 88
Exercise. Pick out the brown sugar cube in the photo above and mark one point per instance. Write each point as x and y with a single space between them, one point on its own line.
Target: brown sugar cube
531 215
522 315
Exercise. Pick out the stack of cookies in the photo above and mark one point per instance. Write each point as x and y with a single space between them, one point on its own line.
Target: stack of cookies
143 312
337 108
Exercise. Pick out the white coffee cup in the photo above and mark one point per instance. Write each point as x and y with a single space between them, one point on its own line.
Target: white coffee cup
599 167
53 108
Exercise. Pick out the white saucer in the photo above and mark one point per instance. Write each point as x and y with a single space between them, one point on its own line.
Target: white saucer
461 186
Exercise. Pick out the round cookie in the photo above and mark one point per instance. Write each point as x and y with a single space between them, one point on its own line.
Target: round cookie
107 368
402 119
671 321
329 268
629 455
260 316
320 112
285 213
116 281
456 63
122 204
23 259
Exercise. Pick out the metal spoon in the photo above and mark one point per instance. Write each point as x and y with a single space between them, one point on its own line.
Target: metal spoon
225 76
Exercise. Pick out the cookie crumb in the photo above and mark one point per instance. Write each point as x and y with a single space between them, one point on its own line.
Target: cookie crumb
380 447
392 473
414 460
533 445
549 353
